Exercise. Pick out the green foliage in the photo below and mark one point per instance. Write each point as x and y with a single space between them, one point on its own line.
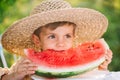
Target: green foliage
4 7
1 65
12 10
112 35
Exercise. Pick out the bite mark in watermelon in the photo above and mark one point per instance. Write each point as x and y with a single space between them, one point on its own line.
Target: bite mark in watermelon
70 62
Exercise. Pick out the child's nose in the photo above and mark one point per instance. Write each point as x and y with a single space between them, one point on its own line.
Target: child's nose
60 43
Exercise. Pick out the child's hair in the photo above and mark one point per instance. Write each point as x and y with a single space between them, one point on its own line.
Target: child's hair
53 26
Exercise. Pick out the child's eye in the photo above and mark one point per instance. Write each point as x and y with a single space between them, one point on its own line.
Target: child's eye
51 36
68 36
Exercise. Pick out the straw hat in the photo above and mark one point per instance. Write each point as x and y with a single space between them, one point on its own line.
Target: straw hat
91 24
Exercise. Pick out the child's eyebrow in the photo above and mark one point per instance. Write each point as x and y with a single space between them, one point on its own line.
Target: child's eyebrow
49 33
69 33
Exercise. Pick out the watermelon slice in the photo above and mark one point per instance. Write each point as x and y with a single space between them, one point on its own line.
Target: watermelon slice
61 64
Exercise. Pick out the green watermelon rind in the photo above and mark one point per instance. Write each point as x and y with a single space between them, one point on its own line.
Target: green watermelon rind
59 75
63 74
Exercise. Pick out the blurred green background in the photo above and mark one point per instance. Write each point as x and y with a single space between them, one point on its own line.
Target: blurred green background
12 10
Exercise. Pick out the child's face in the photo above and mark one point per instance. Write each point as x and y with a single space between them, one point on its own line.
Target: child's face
59 39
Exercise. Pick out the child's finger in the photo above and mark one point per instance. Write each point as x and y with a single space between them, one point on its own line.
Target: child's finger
21 70
27 69
109 53
26 61
108 56
103 66
26 66
28 72
32 68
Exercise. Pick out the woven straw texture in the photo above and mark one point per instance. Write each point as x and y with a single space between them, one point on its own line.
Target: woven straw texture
91 24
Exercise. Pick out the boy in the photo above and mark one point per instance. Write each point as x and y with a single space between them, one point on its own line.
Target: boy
52 25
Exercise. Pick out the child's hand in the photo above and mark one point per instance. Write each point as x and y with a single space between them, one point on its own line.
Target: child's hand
22 68
104 65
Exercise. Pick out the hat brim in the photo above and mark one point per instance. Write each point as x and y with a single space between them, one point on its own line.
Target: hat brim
91 25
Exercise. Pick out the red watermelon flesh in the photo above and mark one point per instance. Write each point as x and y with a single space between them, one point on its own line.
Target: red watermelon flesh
83 54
